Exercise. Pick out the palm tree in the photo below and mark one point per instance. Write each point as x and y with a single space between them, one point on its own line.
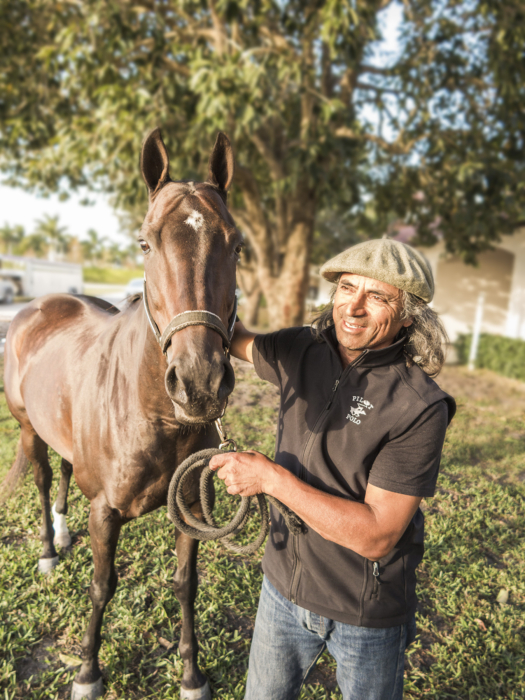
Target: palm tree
55 236
11 236
93 247
35 243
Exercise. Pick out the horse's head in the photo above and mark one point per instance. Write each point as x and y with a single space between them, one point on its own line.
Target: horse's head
191 247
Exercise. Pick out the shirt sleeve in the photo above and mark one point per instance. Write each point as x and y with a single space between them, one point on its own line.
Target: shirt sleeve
271 352
409 463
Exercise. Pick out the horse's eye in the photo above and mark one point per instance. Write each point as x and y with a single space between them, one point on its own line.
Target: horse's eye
238 249
145 247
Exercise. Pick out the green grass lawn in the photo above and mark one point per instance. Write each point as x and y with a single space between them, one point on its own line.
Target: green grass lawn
111 275
469 645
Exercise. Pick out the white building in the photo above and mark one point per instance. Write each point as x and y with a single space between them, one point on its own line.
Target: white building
497 281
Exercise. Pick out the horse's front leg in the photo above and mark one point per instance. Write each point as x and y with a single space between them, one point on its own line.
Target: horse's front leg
194 685
104 528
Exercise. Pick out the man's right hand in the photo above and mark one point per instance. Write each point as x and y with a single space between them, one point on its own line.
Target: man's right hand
242 343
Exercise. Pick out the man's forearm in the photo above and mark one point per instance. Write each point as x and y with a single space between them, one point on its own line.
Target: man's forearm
371 528
340 520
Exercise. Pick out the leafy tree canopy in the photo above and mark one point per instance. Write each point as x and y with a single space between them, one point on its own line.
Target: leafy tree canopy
292 83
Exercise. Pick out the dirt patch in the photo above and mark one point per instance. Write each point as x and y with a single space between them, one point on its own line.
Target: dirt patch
244 625
250 390
323 675
13 540
482 385
37 661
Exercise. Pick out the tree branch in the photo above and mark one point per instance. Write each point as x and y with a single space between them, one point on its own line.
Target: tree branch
366 86
363 68
265 151
395 148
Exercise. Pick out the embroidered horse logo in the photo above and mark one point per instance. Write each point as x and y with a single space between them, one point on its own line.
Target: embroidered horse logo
359 410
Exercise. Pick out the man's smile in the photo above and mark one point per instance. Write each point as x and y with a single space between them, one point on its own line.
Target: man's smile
349 326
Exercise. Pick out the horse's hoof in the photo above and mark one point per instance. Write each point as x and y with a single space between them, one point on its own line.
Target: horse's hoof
87 691
62 536
202 693
46 566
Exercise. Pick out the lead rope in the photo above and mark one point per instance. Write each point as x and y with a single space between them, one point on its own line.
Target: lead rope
182 517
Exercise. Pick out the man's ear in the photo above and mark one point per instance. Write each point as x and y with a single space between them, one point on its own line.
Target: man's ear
154 162
221 165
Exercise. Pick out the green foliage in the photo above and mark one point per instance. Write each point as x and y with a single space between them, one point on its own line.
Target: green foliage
111 275
294 85
11 236
503 355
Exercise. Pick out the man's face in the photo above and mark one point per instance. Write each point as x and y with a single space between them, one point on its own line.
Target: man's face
366 315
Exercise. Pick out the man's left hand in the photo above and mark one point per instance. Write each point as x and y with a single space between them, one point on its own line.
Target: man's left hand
244 473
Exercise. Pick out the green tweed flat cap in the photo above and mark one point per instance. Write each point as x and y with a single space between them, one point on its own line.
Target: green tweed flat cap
387 261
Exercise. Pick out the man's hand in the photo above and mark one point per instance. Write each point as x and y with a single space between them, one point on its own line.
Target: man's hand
245 473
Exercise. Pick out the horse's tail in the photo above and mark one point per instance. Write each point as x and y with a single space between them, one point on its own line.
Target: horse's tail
15 474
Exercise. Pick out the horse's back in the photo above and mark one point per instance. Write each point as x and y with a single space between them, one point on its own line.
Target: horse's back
47 315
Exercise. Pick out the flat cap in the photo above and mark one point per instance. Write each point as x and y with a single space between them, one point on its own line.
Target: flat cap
387 261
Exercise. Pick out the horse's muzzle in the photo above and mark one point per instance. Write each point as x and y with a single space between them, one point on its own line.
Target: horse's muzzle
198 388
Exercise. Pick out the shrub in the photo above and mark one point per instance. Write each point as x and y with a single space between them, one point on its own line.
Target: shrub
503 355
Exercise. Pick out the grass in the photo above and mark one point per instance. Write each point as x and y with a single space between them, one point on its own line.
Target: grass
469 645
111 275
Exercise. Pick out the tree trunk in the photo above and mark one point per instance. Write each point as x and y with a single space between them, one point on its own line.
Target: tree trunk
251 290
281 262
250 308
286 293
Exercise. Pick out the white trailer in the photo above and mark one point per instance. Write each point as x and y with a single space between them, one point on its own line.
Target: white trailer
36 277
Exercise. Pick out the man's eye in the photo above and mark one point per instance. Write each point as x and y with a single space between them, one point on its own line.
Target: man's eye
145 247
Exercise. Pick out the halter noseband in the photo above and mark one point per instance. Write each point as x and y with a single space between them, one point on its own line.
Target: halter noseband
191 318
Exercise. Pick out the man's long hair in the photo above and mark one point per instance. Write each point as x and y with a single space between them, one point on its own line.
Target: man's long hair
425 338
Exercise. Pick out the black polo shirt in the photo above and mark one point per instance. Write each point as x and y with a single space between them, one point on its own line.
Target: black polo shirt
375 421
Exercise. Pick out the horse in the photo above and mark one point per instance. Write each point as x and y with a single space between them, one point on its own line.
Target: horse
125 396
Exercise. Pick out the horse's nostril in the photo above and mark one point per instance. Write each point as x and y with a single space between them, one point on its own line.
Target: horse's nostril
171 381
227 382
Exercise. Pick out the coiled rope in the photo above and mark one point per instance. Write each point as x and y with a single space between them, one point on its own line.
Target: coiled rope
181 515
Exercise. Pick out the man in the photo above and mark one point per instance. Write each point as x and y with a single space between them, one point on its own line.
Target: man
360 432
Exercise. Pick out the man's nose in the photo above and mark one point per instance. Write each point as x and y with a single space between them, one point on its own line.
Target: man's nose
356 305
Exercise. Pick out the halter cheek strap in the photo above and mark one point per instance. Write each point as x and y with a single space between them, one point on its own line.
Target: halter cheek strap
190 318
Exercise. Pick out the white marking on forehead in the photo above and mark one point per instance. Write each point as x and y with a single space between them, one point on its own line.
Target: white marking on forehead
195 220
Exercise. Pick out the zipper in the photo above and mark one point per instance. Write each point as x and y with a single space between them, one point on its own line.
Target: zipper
296 570
296 565
377 580
334 389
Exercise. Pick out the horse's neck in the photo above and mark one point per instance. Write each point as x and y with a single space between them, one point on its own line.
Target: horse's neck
147 367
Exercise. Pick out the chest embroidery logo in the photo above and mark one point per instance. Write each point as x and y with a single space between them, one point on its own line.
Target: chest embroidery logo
360 410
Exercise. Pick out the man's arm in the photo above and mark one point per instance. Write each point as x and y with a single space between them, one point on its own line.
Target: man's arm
242 343
371 528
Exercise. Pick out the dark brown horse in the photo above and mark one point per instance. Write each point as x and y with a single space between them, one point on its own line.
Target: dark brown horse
94 385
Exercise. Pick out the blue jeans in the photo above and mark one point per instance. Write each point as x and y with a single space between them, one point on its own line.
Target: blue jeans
288 641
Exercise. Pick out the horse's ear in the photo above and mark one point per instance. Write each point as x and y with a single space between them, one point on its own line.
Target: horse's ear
154 162
220 167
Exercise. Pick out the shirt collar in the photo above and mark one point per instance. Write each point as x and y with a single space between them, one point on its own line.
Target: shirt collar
373 358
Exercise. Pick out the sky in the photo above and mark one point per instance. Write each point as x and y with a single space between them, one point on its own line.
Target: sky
20 207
